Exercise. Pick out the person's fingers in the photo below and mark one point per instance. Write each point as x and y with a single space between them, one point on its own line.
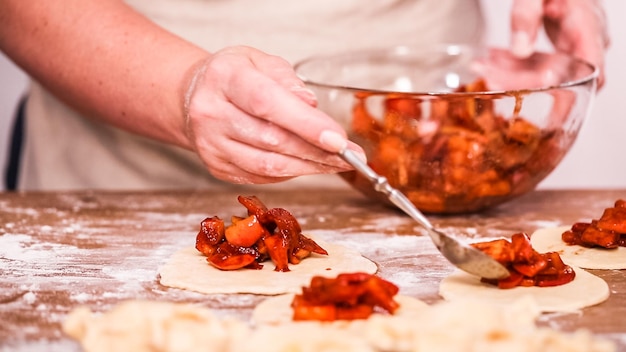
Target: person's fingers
270 101
281 71
240 163
225 170
305 94
578 27
526 20
268 163
267 136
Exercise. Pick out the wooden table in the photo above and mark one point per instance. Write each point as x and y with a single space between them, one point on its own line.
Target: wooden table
66 249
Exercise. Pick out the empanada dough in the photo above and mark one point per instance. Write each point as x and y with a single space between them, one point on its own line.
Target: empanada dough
549 240
584 291
148 326
188 269
140 326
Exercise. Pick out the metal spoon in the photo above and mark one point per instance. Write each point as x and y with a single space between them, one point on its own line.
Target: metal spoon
461 254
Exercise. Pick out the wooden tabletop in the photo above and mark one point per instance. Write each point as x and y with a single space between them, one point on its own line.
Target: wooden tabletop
60 250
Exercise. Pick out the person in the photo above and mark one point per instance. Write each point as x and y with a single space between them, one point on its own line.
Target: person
158 94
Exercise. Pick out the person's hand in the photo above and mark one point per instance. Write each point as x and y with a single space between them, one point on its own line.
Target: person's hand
251 120
577 27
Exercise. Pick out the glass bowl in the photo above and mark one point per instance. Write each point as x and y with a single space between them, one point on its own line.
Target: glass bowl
456 129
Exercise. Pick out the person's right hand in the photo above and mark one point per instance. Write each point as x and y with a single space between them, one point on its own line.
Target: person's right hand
576 27
251 120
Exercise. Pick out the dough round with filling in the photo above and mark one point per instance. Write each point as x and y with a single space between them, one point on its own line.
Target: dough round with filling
549 240
584 291
277 310
188 269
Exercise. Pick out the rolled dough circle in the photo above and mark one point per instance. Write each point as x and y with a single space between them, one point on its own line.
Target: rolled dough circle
549 240
584 291
188 269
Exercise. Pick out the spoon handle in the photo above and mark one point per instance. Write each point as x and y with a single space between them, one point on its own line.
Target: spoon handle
396 197
457 252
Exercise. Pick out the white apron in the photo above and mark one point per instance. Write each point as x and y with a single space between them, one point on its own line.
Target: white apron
64 150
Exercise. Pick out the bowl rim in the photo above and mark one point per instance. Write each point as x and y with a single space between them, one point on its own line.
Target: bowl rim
400 49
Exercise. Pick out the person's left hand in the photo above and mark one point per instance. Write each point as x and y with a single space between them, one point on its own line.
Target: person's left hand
577 27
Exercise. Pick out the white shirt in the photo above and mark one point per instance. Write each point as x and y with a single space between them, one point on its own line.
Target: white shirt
64 150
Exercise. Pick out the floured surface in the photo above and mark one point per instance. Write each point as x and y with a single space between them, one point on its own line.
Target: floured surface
61 250
549 240
188 269
585 290
277 310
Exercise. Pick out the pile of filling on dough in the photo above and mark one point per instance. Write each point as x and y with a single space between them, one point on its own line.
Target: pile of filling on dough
264 234
607 232
526 266
348 296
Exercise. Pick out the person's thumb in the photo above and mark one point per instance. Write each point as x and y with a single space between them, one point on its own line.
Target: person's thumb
526 20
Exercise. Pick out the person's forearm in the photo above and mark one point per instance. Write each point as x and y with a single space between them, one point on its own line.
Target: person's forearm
105 60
